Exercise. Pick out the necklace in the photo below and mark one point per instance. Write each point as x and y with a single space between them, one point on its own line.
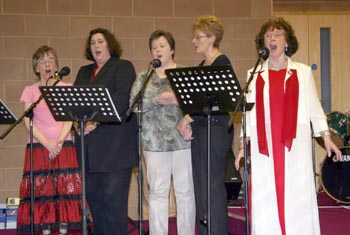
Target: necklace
278 67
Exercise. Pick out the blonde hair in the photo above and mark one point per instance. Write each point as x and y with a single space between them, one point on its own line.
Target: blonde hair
211 26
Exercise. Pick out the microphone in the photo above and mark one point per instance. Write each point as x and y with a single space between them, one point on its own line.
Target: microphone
64 72
156 63
264 53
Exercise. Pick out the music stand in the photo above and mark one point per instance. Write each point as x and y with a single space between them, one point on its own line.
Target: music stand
205 90
6 116
81 104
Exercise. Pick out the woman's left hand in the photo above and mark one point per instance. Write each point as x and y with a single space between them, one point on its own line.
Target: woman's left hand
55 150
331 147
90 126
240 155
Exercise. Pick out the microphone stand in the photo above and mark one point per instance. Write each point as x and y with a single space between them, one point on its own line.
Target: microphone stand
29 114
242 103
139 101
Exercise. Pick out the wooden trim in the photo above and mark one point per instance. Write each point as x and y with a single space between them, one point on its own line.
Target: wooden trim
311 7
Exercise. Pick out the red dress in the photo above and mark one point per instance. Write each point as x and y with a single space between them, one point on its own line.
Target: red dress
57 187
57 182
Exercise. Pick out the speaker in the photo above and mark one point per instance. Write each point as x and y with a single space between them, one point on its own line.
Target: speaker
233 180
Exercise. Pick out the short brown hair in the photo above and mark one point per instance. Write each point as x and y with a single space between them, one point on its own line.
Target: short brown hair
161 33
211 26
113 44
278 23
40 53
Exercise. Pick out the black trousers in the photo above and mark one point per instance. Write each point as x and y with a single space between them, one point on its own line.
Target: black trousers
107 196
221 144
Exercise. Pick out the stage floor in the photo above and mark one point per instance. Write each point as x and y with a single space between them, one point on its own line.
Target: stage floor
334 219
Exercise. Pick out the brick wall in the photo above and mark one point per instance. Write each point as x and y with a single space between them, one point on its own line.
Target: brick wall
64 24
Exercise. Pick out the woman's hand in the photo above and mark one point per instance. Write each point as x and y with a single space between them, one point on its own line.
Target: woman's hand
331 147
184 128
54 148
167 98
89 126
240 155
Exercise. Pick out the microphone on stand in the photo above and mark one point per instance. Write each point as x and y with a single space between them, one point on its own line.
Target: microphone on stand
64 72
263 53
156 63
243 106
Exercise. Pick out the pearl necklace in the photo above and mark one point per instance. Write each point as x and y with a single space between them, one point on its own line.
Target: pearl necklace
278 67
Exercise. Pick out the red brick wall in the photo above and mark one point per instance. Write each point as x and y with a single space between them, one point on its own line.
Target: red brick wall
64 24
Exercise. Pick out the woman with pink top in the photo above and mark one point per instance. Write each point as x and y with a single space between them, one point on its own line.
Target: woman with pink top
57 183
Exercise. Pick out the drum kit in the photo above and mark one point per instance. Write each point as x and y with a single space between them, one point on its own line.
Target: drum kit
335 175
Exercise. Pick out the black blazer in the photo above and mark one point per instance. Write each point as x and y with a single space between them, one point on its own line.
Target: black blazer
111 146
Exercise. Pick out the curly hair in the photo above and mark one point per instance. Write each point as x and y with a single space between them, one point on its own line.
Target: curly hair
113 44
282 24
211 26
40 53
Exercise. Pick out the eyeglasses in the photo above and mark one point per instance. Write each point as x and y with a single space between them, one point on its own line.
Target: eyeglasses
275 35
44 62
197 37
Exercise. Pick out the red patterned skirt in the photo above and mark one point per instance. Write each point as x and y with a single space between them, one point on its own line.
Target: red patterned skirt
57 190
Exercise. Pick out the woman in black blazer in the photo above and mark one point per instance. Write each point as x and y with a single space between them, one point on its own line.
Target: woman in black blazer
110 148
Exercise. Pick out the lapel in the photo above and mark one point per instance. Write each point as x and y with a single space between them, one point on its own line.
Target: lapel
291 68
104 69
264 72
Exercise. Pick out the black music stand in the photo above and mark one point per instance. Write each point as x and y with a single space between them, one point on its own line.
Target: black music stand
6 116
206 90
81 104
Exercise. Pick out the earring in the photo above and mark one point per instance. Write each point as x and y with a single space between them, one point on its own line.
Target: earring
286 49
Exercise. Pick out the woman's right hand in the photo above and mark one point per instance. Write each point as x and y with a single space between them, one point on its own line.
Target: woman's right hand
184 128
240 155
